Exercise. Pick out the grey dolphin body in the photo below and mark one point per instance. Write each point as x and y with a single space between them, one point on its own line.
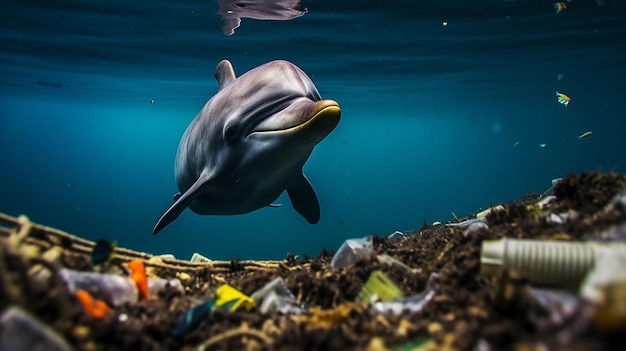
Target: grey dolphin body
249 142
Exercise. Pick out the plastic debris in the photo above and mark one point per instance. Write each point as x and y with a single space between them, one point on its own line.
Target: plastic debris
231 299
275 297
543 261
608 270
113 289
411 304
474 227
379 288
351 251
384 258
396 236
560 305
620 199
197 258
468 222
484 213
613 233
97 309
190 320
560 218
543 203
138 275
19 330
226 298
540 261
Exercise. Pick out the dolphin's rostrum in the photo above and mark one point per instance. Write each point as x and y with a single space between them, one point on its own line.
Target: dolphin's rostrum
249 142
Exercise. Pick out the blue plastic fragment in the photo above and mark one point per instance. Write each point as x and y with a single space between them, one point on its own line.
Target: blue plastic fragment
190 320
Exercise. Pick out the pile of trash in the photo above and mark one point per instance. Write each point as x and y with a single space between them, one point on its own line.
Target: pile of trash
547 272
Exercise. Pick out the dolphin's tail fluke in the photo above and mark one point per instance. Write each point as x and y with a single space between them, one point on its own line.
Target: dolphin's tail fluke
180 204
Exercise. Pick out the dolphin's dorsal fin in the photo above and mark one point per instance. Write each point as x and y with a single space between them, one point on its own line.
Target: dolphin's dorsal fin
303 198
180 204
224 73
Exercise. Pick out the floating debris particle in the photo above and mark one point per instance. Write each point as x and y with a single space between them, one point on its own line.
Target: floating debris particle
516 144
559 77
152 101
559 6
584 135
562 99
543 145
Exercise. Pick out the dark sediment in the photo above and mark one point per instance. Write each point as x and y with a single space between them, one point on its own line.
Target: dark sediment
468 308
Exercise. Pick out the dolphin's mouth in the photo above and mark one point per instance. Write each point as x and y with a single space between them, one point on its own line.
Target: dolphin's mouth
298 115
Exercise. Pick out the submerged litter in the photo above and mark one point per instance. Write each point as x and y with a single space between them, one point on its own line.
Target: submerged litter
557 263
396 236
275 297
305 302
138 276
411 304
226 298
351 251
97 309
20 330
196 257
379 287
115 290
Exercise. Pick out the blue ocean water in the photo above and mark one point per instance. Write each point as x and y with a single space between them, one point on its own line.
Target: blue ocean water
434 96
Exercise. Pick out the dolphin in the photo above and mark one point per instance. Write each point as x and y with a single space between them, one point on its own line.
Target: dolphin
249 142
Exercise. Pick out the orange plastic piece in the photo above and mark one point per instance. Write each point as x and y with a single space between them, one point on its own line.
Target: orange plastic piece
138 275
96 308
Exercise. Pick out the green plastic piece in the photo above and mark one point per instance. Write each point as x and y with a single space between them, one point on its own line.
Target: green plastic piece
379 288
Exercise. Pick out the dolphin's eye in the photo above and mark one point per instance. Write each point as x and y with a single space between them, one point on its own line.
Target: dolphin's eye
230 133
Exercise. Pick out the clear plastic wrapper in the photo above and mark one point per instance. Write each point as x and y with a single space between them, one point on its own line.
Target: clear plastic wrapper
351 251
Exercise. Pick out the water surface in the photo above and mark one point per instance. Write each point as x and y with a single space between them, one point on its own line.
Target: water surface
434 96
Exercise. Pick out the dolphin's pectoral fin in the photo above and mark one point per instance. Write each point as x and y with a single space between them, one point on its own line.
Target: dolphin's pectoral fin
303 199
181 203
224 73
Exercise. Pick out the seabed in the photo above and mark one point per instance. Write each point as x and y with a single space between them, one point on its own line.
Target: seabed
451 301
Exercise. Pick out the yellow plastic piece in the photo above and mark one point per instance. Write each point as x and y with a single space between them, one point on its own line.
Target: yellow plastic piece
489 210
232 298
379 287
